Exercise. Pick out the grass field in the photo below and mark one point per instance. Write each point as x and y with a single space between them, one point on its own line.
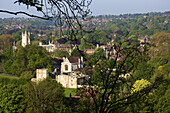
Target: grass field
67 92
8 76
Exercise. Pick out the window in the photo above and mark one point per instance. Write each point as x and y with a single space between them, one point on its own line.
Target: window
66 67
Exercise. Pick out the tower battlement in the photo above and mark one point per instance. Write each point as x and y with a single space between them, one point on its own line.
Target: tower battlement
25 39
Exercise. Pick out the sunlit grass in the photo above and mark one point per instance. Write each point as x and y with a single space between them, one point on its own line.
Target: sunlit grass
8 76
67 92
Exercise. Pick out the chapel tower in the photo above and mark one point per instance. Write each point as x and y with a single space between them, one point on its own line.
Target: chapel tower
25 39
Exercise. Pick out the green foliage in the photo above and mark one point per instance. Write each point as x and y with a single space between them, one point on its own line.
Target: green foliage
2 58
9 55
161 42
76 52
158 99
143 71
5 42
11 98
46 96
28 59
69 91
7 66
17 35
98 54
27 75
139 85
11 95
60 53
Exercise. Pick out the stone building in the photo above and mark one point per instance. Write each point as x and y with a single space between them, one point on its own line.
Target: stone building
70 77
25 39
41 74
50 47
70 64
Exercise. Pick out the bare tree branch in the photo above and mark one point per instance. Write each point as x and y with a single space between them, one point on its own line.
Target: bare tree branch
30 15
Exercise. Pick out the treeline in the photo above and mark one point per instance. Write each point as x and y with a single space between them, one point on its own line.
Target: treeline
137 25
136 15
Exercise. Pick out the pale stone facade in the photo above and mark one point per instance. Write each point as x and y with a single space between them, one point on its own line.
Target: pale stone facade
68 81
70 64
73 80
69 78
50 47
25 39
41 74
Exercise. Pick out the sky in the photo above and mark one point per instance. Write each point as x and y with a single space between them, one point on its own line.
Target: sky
100 7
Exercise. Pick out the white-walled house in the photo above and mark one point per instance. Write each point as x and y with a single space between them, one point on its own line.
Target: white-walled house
70 64
69 77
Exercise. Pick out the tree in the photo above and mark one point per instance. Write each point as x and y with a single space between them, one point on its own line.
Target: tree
158 99
46 96
108 76
27 75
139 85
28 59
11 95
5 42
9 56
76 52
144 70
161 42
12 99
60 53
98 55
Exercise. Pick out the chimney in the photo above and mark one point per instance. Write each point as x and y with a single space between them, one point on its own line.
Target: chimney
97 45
81 59
25 33
104 48
40 43
79 63
63 59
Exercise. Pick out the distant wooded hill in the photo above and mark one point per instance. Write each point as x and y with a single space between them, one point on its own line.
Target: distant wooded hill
106 27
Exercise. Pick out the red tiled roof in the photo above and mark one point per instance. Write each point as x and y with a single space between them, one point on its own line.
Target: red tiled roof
87 92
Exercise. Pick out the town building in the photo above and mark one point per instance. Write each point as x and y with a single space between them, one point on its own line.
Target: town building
67 72
50 47
41 74
70 76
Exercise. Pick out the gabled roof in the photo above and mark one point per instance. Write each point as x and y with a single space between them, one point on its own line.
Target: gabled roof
73 59
62 40
58 60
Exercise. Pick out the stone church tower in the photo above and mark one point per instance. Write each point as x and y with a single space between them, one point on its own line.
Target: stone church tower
25 39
